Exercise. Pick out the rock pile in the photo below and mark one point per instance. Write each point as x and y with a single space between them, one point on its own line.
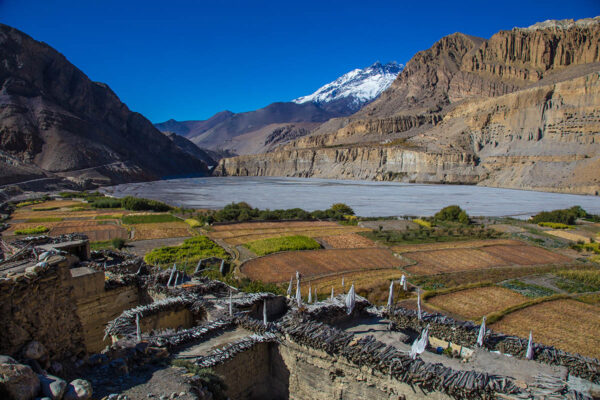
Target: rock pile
20 382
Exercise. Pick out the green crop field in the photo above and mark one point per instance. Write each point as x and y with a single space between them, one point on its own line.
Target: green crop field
285 243
148 219
189 253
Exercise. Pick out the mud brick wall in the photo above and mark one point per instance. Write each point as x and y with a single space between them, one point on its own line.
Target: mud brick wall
40 306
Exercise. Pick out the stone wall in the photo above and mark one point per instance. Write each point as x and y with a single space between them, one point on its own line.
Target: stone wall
40 306
95 310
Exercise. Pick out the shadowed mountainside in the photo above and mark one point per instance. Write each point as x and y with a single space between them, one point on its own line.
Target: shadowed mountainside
56 123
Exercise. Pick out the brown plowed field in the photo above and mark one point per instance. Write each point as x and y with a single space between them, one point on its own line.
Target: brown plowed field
347 241
451 260
526 255
566 324
467 244
477 302
281 266
464 259
94 233
236 234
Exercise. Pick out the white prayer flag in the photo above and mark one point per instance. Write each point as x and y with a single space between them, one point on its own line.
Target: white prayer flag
420 344
265 313
481 333
289 291
298 294
350 300
419 303
309 295
530 347
391 295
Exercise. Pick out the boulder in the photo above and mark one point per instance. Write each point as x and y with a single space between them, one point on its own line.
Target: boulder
79 389
7 360
18 382
34 350
52 386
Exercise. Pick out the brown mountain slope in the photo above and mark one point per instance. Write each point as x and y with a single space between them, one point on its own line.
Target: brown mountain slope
56 123
519 110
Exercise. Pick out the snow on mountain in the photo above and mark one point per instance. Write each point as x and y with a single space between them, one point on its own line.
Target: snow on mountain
357 87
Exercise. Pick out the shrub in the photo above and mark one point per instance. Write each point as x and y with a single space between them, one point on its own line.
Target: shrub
342 209
32 231
286 243
139 204
453 214
118 243
107 202
148 219
565 216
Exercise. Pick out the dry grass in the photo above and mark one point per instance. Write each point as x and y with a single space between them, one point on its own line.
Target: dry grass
566 324
347 241
451 260
236 234
161 230
569 235
477 302
526 255
279 267
363 280
471 244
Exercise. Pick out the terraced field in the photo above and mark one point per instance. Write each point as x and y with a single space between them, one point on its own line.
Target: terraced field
470 244
347 241
236 234
566 324
476 302
431 261
361 280
161 230
281 266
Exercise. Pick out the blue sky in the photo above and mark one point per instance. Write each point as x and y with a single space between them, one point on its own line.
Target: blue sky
190 59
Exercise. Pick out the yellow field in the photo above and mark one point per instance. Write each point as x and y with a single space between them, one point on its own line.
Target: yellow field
569 235
236 234
161 230
470 244
566 324
477 302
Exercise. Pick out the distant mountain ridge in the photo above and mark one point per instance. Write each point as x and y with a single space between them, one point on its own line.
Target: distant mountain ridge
266 128
518 110
355 88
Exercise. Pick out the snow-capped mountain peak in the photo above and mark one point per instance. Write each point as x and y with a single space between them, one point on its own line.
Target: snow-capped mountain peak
356 87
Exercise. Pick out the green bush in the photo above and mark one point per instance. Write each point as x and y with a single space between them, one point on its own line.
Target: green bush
342 208
286 243
565 216
453 214
107 202
148 219
190 252
139 204
118 243
32 231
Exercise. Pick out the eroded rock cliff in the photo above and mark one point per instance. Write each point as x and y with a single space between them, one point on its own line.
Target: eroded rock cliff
521 110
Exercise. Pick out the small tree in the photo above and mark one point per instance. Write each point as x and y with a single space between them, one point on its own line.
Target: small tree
342 209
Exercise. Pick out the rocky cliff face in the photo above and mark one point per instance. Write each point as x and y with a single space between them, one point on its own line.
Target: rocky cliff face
520 110
58 123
